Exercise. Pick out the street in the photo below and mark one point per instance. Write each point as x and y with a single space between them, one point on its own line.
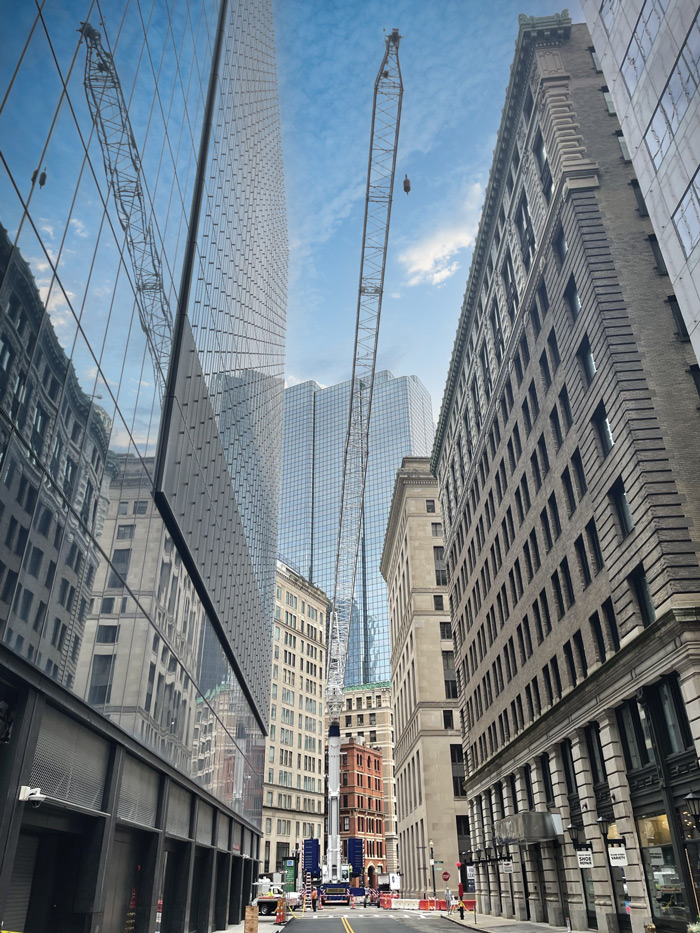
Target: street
360 920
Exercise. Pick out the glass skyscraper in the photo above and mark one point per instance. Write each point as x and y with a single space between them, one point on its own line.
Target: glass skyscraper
143 265
313 443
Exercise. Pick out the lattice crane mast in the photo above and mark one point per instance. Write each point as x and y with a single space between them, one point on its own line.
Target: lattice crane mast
122 165
384 138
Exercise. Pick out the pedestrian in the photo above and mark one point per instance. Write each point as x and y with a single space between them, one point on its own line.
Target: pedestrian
314 895
448 900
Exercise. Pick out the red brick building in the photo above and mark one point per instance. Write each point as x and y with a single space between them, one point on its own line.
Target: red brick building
362 804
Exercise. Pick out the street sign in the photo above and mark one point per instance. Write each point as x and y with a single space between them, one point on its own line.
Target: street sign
446 876
585 858
507 868
438 861
617 855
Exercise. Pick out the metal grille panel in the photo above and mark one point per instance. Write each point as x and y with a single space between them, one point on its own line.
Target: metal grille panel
205 823
138 797
178 819
70 762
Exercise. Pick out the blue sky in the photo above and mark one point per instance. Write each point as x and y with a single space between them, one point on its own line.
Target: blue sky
455 60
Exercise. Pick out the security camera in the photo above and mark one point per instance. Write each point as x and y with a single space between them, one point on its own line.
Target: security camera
32 795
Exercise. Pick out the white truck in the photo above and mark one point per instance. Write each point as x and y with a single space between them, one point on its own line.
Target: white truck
269 894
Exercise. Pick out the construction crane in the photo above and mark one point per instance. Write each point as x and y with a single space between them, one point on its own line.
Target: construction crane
384 138
125 176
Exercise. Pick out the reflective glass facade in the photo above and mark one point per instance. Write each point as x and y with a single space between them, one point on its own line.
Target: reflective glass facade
138 475
315 425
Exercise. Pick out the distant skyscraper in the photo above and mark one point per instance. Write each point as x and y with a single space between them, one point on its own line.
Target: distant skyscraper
315 424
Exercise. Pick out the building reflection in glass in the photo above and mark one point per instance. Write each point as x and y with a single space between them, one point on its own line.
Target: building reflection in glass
93 590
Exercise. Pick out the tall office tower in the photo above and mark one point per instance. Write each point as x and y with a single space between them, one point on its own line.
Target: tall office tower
313 445
566 454
432 802
294 789
142 306
649 55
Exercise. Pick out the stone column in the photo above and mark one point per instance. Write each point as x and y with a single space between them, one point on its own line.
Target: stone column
536 896
516 854
586 795
494 880
551 894
481 880
640 908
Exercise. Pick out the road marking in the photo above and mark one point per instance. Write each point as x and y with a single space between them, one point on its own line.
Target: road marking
346 925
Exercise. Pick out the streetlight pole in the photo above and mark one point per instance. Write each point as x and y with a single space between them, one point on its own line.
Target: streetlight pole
432 867
604 826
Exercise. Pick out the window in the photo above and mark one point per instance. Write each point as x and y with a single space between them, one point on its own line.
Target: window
572 298
544 369
694 371
681 329
611 622
436 528
568 491
447 719
586 362
639 197
584 567
540 153
577 464
686 217
125 532
560 245
658 256
140 507
642 40
430 505
618 497
100 680
554 515
440 569
445 630
640 588
594 545
624 148
555 425
438 602
603 430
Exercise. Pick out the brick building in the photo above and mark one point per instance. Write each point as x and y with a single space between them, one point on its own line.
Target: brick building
362 804
566 453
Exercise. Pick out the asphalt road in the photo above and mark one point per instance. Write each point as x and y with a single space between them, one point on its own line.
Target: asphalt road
369 920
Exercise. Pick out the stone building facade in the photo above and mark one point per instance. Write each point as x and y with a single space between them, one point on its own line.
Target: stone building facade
369 716
432 801
566 454
294 788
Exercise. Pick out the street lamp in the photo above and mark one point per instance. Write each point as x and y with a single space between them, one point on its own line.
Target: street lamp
573 833
604 828
693 805
432 866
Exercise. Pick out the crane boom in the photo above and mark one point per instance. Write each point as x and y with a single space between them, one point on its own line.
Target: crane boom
124 174
384 138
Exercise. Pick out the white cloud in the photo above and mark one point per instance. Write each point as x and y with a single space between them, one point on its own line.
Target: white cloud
436 257
46 227
79 227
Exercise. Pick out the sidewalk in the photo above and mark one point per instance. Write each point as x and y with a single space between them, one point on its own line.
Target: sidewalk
488 924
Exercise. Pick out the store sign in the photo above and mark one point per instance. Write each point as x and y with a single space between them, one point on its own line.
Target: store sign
617 855
470 872
656 857
585 858
507 868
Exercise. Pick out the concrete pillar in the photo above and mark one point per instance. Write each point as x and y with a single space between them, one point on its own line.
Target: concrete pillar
517 877
536 896
235 907
552 896
640 908
586 795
